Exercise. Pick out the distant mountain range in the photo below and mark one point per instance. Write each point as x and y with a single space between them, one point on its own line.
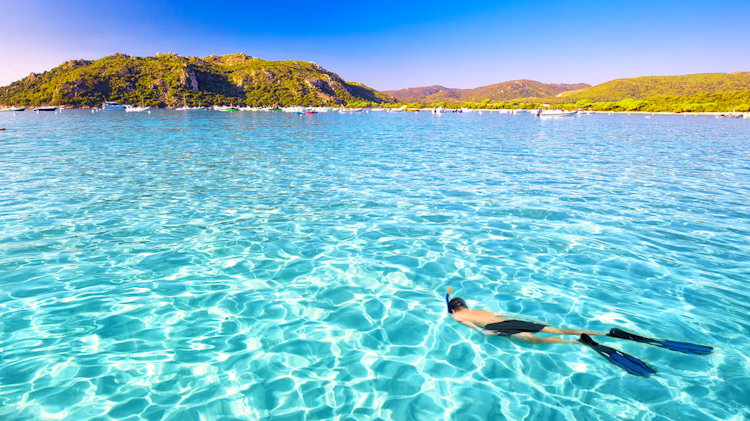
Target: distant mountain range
696 92
168 80
505 91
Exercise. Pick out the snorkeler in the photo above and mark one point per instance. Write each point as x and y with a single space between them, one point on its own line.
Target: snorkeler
493 324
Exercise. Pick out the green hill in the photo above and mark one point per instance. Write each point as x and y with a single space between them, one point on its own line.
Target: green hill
169 80
687 93
656 86
505 91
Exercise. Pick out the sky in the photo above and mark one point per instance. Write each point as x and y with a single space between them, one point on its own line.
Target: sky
393 45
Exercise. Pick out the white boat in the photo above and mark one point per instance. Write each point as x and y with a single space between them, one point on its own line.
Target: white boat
225 108
556 113
293 109
112 106
349 110
730 115
14 109
132 109
438 110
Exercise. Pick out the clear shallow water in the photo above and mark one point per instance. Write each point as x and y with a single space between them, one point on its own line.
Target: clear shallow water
263 265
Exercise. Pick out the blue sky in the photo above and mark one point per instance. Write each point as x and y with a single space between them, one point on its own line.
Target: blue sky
392 45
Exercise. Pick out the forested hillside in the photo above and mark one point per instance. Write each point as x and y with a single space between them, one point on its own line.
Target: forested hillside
169 80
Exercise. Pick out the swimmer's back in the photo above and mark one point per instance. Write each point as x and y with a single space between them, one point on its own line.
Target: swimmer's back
478 317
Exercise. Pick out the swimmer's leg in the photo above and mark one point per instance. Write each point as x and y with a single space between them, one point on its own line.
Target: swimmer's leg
577 332
533 339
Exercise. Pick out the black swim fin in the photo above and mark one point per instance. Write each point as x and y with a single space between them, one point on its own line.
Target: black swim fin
685 347
627 362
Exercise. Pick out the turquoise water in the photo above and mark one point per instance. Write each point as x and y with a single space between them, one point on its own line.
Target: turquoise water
204 265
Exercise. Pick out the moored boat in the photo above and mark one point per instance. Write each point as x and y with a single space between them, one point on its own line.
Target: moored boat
13 109
556 113
729 115
225 108
132 109
46 108
112 106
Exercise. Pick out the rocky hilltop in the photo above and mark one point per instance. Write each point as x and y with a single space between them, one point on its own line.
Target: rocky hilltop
504 91
170 80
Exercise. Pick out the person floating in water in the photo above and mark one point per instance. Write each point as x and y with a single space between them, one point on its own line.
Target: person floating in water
493 324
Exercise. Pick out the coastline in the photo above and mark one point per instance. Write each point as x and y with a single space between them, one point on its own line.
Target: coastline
400 108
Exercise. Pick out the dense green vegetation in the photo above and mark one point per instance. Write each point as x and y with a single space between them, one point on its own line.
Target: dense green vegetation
661 86
170 80
718 102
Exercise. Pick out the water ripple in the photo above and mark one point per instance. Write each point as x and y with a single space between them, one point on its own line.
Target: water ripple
209 265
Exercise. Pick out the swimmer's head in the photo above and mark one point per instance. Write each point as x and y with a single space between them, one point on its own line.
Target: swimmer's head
457 304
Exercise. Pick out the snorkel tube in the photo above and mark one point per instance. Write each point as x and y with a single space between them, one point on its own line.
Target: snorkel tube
448 299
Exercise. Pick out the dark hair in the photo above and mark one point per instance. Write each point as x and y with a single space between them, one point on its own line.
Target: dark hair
456 304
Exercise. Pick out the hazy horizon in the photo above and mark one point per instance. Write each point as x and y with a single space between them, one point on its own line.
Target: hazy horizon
390 47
